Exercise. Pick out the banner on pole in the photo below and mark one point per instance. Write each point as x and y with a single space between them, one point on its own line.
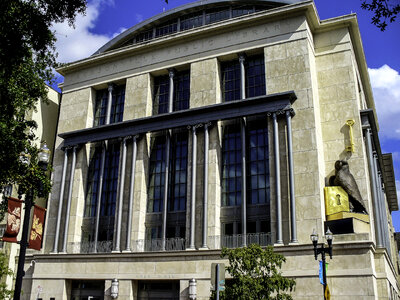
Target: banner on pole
36 235
327 292
321 277
13 220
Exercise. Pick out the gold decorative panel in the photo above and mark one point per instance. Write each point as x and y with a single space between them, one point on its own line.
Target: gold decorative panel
336 200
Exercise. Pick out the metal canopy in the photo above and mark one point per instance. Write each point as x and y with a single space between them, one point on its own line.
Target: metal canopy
193 116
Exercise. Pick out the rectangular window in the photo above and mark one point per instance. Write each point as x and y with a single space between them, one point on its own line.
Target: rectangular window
232 166
216 15
110 181
117 106
177 175
191 21
231 80
144 36
181 92
255 76
100 109
167 28
242 10
157 174
258 164
257 159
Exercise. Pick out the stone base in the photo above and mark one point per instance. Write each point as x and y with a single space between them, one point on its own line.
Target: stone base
345 215
348 225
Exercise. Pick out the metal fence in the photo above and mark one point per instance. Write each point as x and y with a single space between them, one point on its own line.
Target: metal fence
236 240
171 244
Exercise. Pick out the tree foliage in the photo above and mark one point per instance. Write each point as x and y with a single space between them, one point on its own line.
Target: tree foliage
384 11
256 274
5 293
27 60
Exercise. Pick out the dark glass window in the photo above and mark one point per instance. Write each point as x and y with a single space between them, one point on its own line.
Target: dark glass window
191 21
177 199
100 107
242 10
216 15
258 165
117 106
157 175
144 36
231 80
255 76
181 92
232 166
178 173
110 182
167 28
161 94
93 183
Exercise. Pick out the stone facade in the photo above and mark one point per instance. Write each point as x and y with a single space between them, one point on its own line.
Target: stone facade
321 61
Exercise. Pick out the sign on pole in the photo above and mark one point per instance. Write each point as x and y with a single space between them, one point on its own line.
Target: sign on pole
221 279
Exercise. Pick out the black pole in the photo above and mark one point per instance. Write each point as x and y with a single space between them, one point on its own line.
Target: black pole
23 244
323 271
217 281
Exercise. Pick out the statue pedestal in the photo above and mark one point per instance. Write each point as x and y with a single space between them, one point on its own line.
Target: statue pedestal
347 222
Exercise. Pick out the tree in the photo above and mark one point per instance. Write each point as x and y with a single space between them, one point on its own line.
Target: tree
384 10
4 272
27 59
255 274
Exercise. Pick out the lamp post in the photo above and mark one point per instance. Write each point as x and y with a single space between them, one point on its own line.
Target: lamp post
322 250
43 161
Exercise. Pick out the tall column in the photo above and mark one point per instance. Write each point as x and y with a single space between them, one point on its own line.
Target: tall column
242 58
384 223
121 196
71 184
193 187
291 177
131 193
205 187
60 201
99 195
380 243
372 174
165 201
109 103
167 153
279 239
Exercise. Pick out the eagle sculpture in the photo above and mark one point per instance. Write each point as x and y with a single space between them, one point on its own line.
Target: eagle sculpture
345 179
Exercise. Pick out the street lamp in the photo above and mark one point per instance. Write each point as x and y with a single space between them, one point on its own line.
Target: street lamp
322 250
43 161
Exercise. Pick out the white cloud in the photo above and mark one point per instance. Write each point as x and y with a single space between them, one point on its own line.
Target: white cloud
79 42
398 190
385 83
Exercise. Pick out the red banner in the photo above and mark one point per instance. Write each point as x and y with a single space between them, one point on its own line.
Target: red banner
36 235
13 220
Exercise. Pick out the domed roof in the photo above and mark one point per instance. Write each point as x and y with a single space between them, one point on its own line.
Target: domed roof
187 16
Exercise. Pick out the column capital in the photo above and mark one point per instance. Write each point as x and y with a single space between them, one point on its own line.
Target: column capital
171 72
111 87
242 57
290 112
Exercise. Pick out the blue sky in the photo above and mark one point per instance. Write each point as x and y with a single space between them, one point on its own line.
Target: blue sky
107 18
